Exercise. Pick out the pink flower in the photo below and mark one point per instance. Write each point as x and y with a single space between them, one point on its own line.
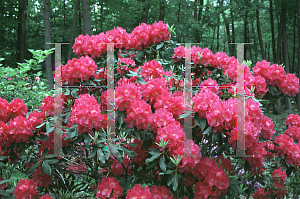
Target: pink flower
26 78
4 77
9 78
37 79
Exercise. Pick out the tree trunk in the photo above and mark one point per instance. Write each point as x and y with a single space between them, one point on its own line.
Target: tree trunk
278 61
218 33
269 58
79 20
294 45
178 14
161 10
259 35
233 35
48 64
73 29
227 31
212 44
298 98
86 17
200 10
245 34
254 38
195 10
286 56
146 11
21 29
273 34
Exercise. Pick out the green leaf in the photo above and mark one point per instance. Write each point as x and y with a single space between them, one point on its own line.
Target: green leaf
160 45
162 163
278 161
33 167
175 182
4 193
46 168
50 130
207 131
129 153
7 180
51 161
100 156
92 154
152 158
196 119
202 124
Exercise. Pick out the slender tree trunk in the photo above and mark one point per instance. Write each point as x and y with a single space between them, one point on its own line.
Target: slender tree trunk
161 10
178 14
227 31
213 41
146 11
245 34
269 58
259 35
200 10
195 10
233 35
48 64
294 45
254 38
278 61
286 56
79 18
298 98
273 34
21 29
86 17
218 33
73 29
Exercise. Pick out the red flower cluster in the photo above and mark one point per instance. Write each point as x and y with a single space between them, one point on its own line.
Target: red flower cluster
18 130
125 95
142 35
152 69
109 188
26 189
87 114
11 110
138 114
275 75
212 179
82 68
36 118
46 197
48 104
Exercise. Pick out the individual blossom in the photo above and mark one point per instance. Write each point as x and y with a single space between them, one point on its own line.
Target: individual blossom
26 189
138 192
139 115
46 197
37 78
4 110
109 188
160 192
17 108
20 129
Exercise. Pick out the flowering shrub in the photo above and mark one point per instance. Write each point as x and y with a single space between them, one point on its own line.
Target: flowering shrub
152 157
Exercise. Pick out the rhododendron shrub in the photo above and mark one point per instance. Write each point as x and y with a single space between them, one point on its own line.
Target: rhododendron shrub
147 153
